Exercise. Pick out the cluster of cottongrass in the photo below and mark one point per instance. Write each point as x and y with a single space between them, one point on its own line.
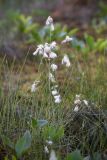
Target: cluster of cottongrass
48 51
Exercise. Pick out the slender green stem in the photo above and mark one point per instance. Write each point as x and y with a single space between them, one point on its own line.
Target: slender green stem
49 65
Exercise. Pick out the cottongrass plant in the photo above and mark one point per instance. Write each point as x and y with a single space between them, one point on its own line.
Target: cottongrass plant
47 52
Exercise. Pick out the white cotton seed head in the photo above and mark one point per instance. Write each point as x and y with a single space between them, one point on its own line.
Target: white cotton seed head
67 39
49 22
76 109
54 67
51 77
54 92
66 61
85 102
39 50
33 87
77 102
47 49
57 98
46 149
53 55
53 45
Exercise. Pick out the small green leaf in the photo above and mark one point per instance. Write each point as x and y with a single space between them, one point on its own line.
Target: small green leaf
42 123
103 45
23 144
73 31
89 41
35 35
74 156
38 123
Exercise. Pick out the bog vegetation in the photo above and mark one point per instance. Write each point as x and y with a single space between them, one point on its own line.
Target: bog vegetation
55 107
